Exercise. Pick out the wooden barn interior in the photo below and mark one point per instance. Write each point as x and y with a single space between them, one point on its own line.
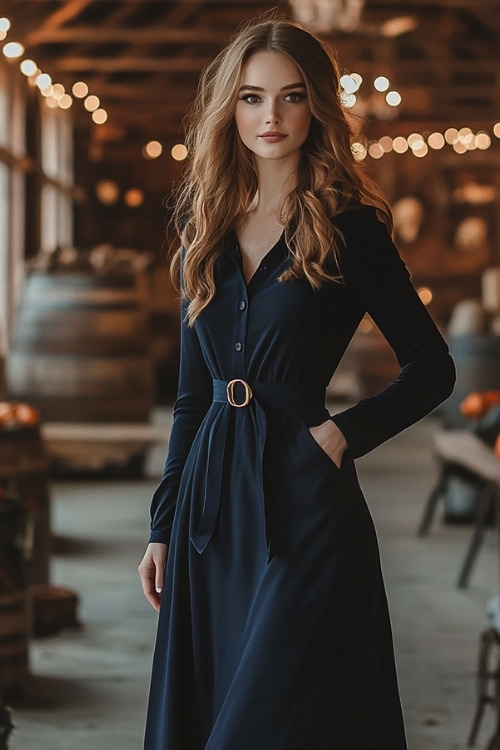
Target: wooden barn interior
93 100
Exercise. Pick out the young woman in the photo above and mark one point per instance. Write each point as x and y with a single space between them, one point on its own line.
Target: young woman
274 631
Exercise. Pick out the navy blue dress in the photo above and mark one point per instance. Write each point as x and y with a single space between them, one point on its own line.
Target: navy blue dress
274 631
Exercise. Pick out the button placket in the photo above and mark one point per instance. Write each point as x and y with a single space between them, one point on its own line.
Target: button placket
241 332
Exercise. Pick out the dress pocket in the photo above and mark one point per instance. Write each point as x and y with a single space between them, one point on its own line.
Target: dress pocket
315 448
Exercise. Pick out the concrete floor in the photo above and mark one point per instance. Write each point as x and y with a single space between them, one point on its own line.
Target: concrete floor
89 686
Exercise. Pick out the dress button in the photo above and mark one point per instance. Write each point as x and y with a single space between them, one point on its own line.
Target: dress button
238 346
242 305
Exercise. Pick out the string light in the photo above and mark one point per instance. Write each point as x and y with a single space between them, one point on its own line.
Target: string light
65 101
43 81
393 98
92 103
12 50
436 141
400 145
54 93
179 152
381 83
99 116
28 67
461 141
152 150
80 90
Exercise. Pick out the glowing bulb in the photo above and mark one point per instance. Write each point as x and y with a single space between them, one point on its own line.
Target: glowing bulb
451 136
415 140
348 100
4 24
134 197
483 141
349 84
91 103
425 294
381 83
58 91
400 144
43 81
152 150
99 116
376 151
393 98
359 151
13 50
65 101
179 152
496 129
80 90
421 150
436 141
385 143
28 67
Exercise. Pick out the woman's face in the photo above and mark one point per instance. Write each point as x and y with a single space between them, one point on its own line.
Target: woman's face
272 112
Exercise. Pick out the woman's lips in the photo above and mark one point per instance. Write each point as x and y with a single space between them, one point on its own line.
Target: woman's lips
272 137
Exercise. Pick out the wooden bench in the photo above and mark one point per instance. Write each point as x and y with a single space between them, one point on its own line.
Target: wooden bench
457 450
94 445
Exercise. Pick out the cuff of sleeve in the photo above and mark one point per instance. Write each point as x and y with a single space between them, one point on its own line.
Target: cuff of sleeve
342 424
161 537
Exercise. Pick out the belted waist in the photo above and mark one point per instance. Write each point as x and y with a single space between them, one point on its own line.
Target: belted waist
277 396
255 402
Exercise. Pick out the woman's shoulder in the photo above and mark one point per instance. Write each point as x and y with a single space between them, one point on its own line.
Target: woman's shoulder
366 243
355 214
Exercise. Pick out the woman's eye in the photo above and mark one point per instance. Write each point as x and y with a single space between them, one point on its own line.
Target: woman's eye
250 98
295 97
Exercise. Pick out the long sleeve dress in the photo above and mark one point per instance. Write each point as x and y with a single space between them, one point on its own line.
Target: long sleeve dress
274 631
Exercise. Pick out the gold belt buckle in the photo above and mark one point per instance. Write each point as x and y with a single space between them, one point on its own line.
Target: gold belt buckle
230 392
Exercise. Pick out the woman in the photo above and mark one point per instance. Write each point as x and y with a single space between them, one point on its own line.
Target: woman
274 631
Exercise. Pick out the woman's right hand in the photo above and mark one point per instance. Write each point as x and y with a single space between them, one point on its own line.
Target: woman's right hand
152 572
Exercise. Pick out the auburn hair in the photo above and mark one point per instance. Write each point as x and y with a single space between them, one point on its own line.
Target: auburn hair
220 178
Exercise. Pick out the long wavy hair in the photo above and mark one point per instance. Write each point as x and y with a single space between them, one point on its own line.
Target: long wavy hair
220 178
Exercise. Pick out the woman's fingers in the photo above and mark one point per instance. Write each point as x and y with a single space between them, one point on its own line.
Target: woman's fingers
152 572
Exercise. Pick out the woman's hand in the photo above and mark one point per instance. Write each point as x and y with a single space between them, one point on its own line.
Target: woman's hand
152 573
331 439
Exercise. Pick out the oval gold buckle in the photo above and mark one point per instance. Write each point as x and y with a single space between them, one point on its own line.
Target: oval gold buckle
230 392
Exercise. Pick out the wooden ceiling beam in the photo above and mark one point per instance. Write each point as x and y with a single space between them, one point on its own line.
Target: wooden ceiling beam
67 11
129 65
109 35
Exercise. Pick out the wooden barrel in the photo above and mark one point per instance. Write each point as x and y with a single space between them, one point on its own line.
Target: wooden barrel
80 350
24 471
477 359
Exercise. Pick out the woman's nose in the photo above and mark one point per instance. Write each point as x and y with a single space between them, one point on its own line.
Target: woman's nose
272 113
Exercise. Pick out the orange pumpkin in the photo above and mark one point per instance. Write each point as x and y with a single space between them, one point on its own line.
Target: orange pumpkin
476 405
26 414
13 413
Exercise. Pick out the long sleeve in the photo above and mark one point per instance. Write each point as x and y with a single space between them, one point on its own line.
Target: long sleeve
380 282
194 397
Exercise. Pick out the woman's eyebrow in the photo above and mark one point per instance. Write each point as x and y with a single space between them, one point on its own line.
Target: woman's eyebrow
285 88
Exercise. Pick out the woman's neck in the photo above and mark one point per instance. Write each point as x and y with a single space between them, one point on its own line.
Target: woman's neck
275 178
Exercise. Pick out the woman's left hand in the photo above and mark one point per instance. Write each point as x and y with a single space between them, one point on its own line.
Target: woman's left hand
330 439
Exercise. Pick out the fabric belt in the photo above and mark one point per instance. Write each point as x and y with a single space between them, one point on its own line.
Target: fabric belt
253 400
